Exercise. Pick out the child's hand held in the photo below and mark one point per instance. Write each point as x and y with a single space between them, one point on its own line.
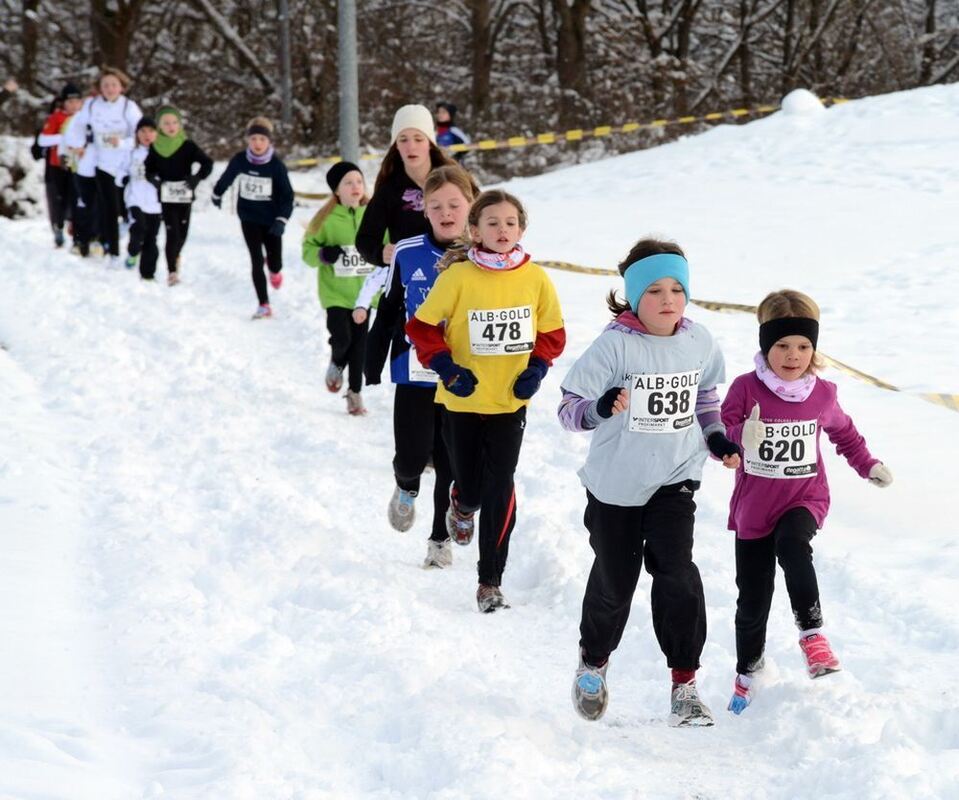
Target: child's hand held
529 380
613 401
753 430
457 380
880 475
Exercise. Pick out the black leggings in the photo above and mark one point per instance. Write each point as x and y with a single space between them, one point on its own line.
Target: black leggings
258 238
348 343
176 220
59 186
660 534
418 435
789 543
109 203
86 215
484 450
143 240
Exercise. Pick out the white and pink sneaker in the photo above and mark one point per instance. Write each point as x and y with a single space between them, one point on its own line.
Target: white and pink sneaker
820 659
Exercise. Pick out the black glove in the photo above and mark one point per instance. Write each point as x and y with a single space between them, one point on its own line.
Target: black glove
459 380
193 181
155 180
277 228
329 255
720 446
125 181
604 406
217 201
528 381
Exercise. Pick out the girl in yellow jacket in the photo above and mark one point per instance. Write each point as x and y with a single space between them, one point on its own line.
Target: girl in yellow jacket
490 328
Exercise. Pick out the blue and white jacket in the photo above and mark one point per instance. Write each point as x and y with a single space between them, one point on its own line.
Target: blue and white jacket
411 275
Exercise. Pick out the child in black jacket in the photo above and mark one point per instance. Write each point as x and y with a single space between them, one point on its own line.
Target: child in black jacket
264 205
169 166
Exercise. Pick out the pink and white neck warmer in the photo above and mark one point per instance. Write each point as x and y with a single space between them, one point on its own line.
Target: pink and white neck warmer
793 391
500 262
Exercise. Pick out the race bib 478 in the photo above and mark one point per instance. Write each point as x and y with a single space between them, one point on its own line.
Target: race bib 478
501 331
663 403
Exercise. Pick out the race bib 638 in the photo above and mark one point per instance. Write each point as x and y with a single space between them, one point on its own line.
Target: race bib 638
663 403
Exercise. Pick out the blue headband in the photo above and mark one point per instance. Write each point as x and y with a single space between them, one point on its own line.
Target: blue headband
648 270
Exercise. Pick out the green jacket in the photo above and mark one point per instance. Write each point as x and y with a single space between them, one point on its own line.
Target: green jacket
338 229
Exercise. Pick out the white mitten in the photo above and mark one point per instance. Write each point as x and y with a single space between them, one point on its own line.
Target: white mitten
753 431
880 475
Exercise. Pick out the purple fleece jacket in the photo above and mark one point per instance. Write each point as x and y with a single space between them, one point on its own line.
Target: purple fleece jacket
758 502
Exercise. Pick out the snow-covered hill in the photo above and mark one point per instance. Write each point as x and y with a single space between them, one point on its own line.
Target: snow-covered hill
200 596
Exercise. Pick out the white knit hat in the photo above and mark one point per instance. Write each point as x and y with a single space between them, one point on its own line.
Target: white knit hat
414 116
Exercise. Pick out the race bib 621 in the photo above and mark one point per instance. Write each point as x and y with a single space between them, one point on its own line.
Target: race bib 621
255 187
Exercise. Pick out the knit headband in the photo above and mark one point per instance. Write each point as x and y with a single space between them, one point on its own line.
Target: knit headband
776 329
640 274
260 129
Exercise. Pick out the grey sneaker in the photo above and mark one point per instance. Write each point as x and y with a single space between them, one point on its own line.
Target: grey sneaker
489 598
687 710
590 695
354 404
334 377
458 524
439 555
401 511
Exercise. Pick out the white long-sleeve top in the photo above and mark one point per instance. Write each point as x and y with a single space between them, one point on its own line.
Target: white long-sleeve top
372 286
139 192
113 126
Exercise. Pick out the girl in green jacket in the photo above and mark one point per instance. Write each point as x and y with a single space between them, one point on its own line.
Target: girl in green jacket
329 245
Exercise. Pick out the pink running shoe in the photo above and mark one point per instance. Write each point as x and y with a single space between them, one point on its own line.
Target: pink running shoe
820 659
276 279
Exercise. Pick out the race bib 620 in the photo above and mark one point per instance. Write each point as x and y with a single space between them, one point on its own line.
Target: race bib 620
788 450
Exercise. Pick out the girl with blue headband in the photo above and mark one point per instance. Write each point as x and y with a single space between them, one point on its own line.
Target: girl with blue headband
646 388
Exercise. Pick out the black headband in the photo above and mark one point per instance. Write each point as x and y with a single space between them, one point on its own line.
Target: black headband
260 129
774 330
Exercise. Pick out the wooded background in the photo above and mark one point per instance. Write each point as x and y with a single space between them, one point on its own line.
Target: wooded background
514 67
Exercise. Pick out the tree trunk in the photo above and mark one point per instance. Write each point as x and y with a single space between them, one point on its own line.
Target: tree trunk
113 29
28 23
929 45
482 57
745 61
571 57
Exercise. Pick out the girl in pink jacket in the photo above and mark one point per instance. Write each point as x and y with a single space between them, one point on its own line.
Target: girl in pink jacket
781 495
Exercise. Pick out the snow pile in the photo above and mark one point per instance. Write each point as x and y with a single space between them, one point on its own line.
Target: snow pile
204 598
21 179
801 102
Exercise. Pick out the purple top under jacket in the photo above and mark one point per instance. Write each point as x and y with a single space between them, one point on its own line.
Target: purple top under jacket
758 501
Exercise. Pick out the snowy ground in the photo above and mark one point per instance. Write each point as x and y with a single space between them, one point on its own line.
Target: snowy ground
200 596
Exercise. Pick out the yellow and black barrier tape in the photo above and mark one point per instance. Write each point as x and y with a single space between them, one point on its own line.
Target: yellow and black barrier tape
950 401
578 134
